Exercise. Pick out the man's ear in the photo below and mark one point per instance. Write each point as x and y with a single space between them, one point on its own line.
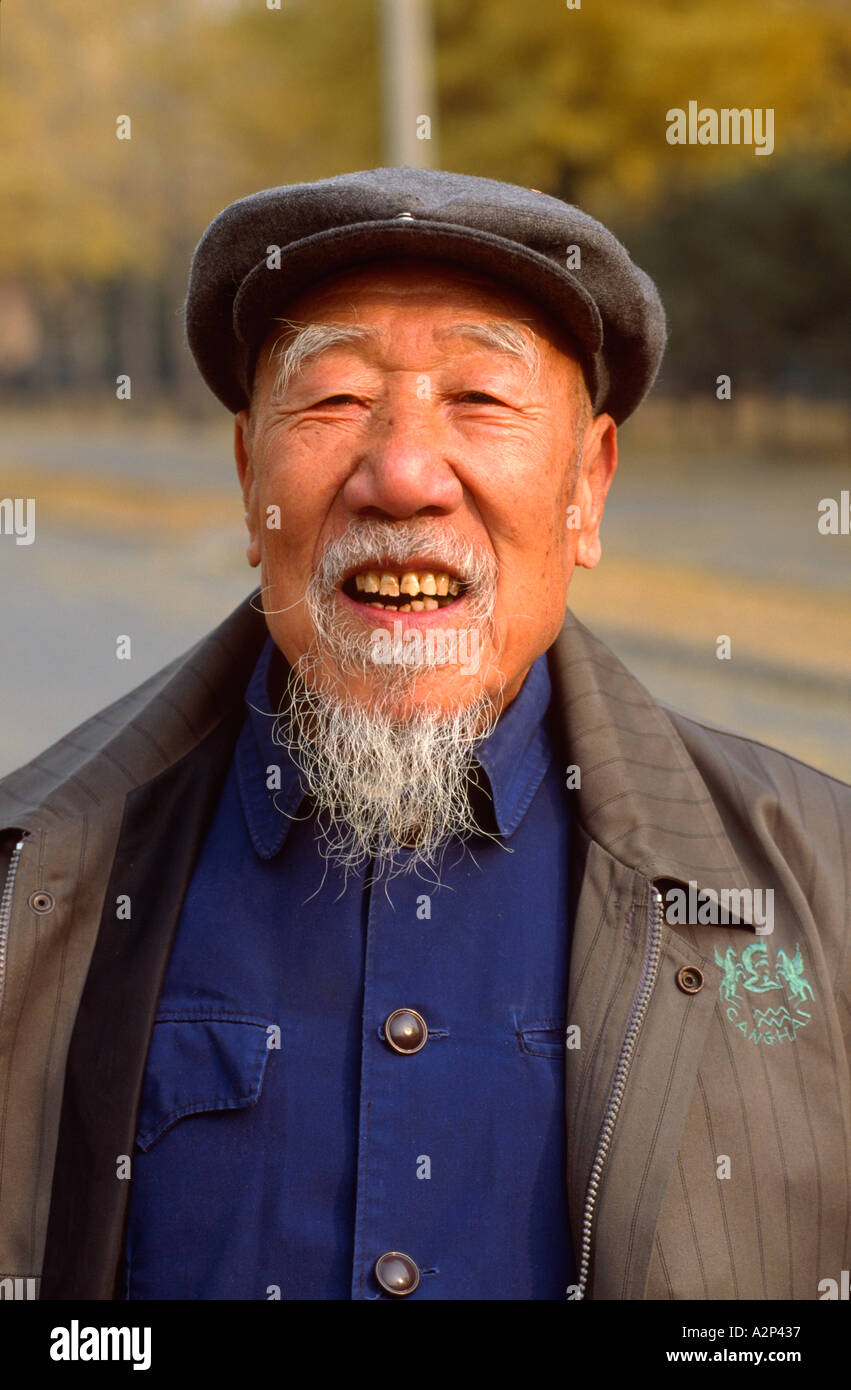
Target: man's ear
243 453
596 471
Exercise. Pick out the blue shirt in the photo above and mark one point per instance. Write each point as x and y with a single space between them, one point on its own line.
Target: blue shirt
283 1146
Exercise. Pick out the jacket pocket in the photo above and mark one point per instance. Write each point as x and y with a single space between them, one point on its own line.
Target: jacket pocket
197 1062
542 1037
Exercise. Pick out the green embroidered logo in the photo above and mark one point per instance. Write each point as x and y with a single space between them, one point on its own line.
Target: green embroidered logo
774 998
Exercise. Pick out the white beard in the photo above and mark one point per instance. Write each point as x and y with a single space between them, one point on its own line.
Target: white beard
380 782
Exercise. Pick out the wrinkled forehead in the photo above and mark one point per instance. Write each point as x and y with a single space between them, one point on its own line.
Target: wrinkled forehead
414 285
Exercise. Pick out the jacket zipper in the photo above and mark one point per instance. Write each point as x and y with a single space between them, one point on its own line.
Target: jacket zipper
649 971
6 908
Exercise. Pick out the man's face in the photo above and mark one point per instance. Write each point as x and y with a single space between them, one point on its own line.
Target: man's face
419 422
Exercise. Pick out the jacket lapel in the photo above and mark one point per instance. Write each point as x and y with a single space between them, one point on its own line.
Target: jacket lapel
109 1047
162 832
645 816
641 796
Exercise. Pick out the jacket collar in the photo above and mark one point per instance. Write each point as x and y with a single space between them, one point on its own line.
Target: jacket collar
640 796
142 734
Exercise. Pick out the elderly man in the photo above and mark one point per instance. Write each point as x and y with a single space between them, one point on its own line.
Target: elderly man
395 942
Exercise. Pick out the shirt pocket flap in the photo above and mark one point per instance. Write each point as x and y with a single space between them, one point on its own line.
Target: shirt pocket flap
542 1037
200 1062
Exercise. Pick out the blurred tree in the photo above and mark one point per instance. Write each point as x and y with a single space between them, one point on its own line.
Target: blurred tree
226 96
574 101
756 278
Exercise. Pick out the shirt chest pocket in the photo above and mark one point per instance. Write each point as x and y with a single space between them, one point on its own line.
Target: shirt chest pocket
200 1062
542 1037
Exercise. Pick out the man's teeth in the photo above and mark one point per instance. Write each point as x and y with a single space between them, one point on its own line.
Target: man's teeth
423 589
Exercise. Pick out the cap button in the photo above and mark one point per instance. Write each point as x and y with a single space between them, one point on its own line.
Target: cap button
404 217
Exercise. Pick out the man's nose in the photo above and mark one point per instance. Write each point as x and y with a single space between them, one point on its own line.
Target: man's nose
403 471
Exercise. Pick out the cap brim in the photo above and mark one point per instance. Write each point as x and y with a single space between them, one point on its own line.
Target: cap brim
227 353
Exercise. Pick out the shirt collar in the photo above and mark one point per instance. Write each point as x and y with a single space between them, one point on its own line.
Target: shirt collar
514 758
518 752
268 779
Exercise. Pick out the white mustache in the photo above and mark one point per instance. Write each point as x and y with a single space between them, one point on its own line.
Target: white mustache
393 542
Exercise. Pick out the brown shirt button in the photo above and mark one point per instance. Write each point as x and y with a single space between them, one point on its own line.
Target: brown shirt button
406 1031
397 1273
690 979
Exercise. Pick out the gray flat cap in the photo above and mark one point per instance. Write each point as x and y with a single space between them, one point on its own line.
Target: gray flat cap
519 236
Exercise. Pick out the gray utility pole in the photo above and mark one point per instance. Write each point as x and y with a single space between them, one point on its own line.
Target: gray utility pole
410 117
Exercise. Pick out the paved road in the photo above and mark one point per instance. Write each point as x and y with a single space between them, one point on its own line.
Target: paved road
142 536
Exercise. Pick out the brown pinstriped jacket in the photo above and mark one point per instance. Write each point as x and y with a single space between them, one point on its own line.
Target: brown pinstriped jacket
708 1127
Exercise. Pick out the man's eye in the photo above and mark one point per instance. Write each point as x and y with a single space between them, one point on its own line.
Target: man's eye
343 398
479 398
